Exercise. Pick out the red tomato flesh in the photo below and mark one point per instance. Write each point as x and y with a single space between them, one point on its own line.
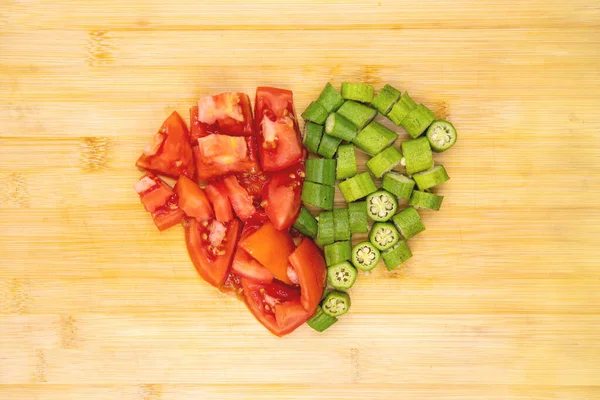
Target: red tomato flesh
192 199
247 267
159 199
309 265
218 155
219 198
240 200
282 196
226 113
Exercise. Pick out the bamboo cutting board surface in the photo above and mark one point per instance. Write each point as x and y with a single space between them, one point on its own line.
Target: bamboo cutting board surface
500 301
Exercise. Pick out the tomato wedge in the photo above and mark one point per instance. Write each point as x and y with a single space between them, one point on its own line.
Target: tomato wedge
211 246
311 270
218 155
277 128
240 200
226 113
159 199
271 248
282 196
192 199
290 315
170 152
247 267
219 198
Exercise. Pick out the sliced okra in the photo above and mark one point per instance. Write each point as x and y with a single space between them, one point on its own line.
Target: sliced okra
401 109
306 223
357 92
357 187
315 112
417 121
408 222
321 321
312 136
328 146
330 98
357 212
381 205
384 235
425 200
395 256
359 114
318 195
341 224
385 161
374 138
441 135
397 184
385 99
337 252
325 229
431 177
346 161
417 155
365 256
320 170
341 276
336 303
340 127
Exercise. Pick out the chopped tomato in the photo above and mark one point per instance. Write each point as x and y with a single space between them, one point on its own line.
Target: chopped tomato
277 128
271 248
282 196
192 199
254 183
218 155
290 315
247 267
167 216
170 152
226 113
240 200
310 268
195 132
159 199
211 246
219 198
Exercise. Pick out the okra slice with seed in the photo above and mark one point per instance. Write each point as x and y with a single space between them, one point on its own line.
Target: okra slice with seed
408 222
320 170
330 98
384 235
417 155
341 224
425 200
358 92
359 114
431 177
321 321
325 231
341 276
381 205
365 256
374 138
401 109
357 213
337 252
417 121
441 135
357 187
397 184
340 127
385 99
312 136
346 161
316 113
306 223
336 303
328 146
396 255
385 161
318 195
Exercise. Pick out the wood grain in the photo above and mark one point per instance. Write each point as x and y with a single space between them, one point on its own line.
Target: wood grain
500 301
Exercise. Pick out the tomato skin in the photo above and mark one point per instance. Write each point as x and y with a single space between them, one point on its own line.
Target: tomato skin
290 315
248 268
240 200
159 199
195 132
192 199
170 152
212 266
225 124
309 265
282 196
219 198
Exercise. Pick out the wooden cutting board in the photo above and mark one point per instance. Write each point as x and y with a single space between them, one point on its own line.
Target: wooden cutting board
500 301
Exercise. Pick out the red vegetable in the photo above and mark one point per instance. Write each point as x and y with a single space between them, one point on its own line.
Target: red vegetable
218 155
159 199
226 113
192 199
311 270
219 198
240 200
282 196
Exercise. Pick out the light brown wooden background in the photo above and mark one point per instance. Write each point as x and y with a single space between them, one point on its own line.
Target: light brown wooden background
501 299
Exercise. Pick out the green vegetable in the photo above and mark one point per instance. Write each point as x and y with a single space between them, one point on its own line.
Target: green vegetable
337 252
396 255
425 200
341 224
385 161
330 98
357 187
318 195
418 120
336 303
359 114
408 222
340 127
385 99
321 321
325 232
374 138
441 135
381 205
306 223
357 212
346 161
399 185
341 276
401 109
312 136
320 170
328 146
358 92
315 112
365 256
431 177
417 155
384 235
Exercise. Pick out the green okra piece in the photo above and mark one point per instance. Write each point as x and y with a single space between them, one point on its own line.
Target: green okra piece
381 205
401 109
358 216
385 99
417 155
315 112
417 121
341 276
385 161
337 252
330 98
346 161
336 303
441 135
431 177
325 231
374 138
320 170
318 195
340 127
306 223
321 321
365 256
359 114
384 235
341 224
358 92
399 185
357 187
328 146
395 256
425 200
312 136
408 222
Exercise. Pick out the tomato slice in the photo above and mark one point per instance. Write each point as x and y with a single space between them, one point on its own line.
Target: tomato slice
277 128
170 152
282 196
219 198
226 113
192 199
195 132
311 270
167 216
159 199
211 246
290 315
271 248
253 182
218 155
247 267
240 200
